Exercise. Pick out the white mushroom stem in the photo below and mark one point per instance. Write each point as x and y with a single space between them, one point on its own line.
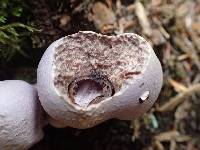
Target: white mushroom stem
87 78
21 115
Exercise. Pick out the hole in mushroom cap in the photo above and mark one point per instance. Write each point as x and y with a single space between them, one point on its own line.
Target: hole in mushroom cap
144 97
85 91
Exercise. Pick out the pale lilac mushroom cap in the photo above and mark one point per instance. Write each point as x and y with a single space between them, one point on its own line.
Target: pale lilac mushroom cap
86 78
21 115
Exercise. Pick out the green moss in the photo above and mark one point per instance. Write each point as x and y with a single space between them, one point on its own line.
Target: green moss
12 31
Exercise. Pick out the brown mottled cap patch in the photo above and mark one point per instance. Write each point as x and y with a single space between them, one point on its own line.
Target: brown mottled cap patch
104 61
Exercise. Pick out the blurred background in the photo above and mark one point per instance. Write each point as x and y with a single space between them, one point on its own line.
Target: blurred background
28 27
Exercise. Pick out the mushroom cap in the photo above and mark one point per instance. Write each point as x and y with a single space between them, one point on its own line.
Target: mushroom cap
20 115
86 78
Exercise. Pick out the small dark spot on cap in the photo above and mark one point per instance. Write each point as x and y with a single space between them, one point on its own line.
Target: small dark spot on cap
141 85
141 101
132 73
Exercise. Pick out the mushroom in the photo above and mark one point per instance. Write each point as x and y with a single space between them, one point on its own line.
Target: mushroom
86 78
21 115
